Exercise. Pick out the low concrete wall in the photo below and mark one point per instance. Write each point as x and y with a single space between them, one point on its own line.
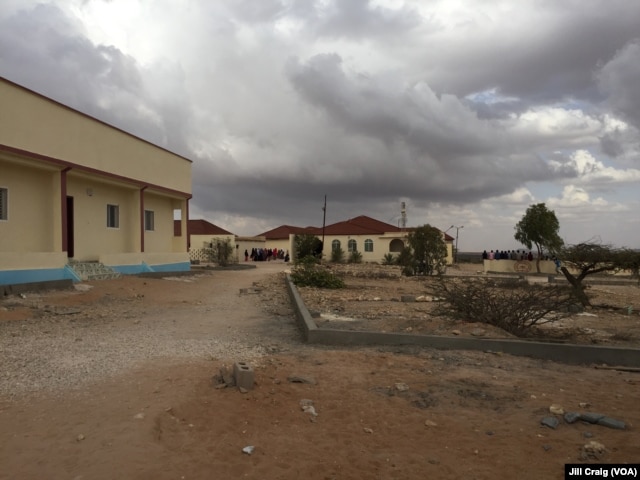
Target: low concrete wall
571 354
518 266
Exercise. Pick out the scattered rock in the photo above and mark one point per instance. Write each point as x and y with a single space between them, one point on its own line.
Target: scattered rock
368 430
591 417
592 449
401 387
430 423
301 379
80 438
307 407
612 423
571 417
478 332
556 409
248 449
456 332
551 422
139 416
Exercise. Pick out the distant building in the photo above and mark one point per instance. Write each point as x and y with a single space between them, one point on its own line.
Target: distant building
75 189
372 238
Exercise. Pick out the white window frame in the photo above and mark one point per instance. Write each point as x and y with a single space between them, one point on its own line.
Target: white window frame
149 221
4 204
335 245
113 216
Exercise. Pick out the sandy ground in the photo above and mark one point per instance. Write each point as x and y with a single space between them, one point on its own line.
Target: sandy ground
381 413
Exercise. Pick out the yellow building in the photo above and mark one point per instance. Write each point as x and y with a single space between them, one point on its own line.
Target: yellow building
370 237
74 189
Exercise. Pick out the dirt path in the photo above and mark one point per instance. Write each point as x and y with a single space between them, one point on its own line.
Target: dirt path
141 403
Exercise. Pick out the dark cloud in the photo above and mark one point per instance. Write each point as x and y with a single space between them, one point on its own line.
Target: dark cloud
281 102
619 79
548 54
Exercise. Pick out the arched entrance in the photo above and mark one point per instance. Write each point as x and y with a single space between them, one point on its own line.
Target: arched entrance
396 245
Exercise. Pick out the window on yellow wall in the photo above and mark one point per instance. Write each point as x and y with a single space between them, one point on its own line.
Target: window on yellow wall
149 220
335 245
352 246
4 204
368 245
113 216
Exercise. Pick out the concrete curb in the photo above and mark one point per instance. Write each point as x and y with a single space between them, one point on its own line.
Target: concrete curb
570 354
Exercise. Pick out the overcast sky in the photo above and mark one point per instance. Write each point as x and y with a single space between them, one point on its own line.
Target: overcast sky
468 111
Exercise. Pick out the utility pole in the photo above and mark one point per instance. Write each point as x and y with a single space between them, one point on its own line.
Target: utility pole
324 218
456 255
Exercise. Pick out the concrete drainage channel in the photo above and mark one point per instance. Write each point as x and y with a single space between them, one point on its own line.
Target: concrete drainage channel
571 354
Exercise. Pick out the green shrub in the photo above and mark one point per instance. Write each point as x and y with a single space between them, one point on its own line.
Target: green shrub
308 273
337 255
355 257
389 259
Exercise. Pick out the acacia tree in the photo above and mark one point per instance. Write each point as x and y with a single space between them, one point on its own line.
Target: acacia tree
589 258
539 226
428 251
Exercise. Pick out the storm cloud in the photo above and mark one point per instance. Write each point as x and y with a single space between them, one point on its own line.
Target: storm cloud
466 112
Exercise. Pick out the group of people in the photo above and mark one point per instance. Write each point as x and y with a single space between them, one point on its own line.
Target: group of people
266 255
518 255
507 255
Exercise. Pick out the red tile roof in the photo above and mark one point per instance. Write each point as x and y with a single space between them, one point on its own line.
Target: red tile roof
361 225
199 227
283 232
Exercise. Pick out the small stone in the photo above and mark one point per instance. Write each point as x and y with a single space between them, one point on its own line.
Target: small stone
368 430
80 438
243 390
478 332
591 417
546 447
612 423
248 449
584 404
430 423
593 449
401 387
138 416
301 379
556 409
456 332
551 422
571 417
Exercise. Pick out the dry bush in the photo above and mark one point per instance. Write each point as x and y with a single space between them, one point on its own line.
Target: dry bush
513 306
